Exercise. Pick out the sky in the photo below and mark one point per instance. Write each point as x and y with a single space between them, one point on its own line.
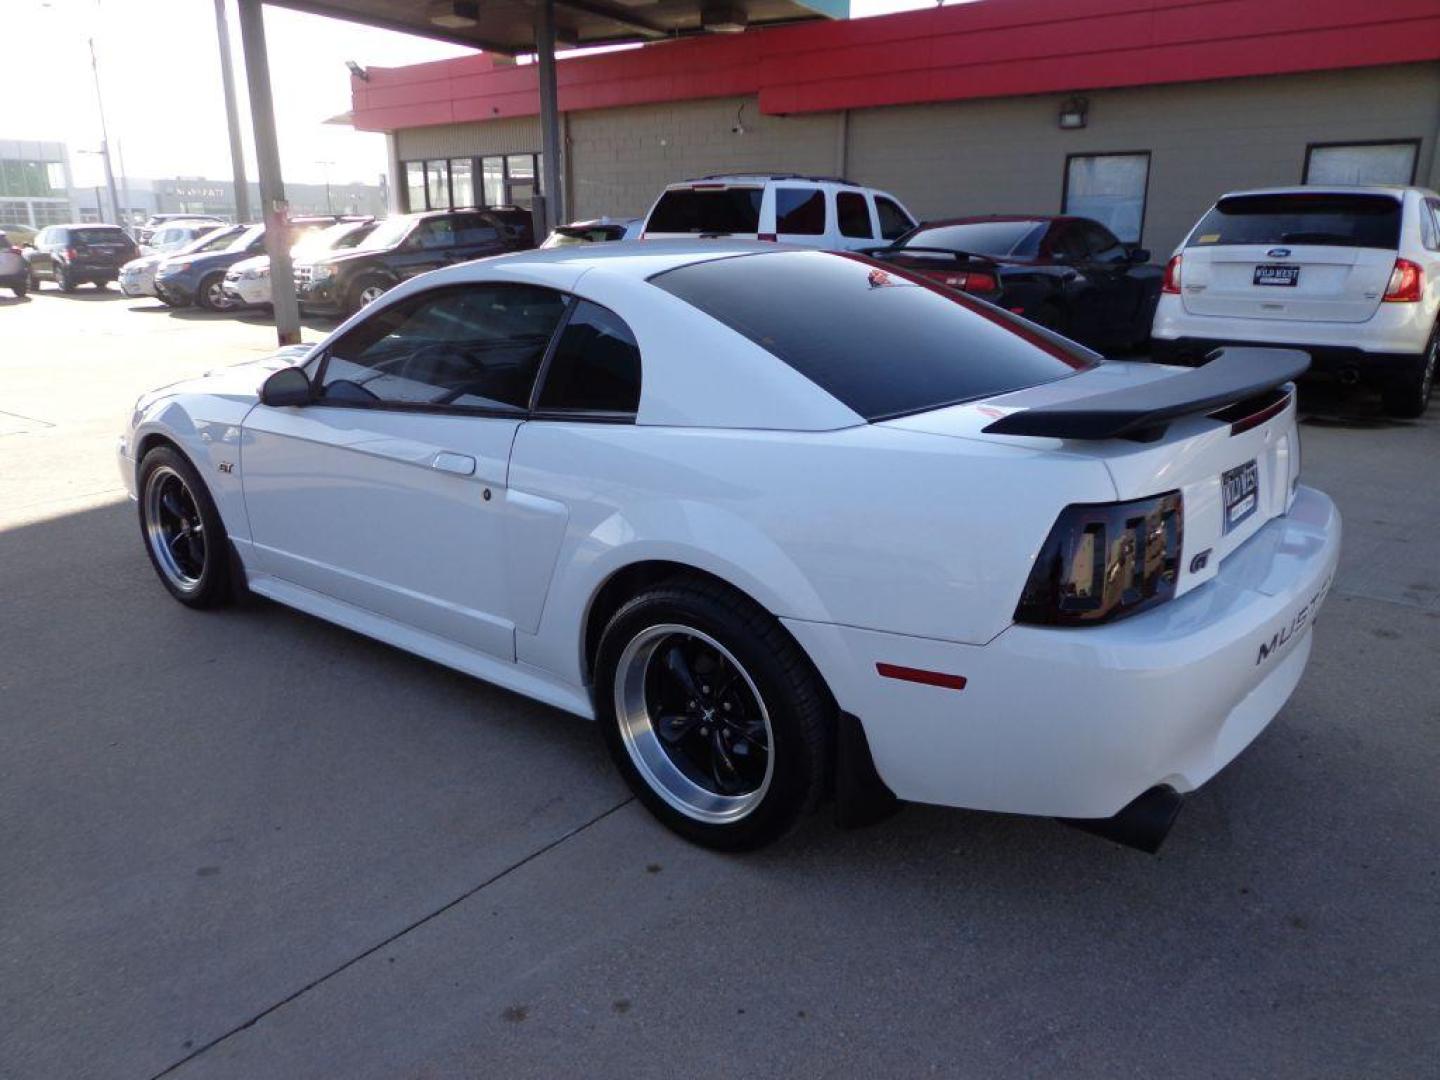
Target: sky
160 75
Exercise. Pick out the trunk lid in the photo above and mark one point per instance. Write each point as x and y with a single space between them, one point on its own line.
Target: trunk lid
1317 283
1200 455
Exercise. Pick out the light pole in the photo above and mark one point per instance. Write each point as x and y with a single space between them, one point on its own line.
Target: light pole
232 118
104 136
326 166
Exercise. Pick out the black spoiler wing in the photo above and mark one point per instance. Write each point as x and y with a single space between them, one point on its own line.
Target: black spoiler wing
1143 412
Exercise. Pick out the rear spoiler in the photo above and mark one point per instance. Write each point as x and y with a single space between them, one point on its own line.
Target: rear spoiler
1143 412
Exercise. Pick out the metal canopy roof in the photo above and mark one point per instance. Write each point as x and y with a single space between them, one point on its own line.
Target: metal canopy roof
508 26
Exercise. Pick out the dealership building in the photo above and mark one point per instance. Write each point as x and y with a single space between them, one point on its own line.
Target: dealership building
1135 112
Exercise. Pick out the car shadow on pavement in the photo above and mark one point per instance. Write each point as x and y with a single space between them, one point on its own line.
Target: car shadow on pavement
10 299
86 293
1325 403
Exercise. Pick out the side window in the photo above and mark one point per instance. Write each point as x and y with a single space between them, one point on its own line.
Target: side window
435 233
854 215
475 229
799 211
596 365
894 222
1430 224
471 346
1068 242
1101 245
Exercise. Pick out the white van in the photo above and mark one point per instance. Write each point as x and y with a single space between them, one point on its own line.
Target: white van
812 211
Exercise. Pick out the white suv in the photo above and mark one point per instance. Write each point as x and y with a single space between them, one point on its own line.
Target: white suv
1351 275
813 211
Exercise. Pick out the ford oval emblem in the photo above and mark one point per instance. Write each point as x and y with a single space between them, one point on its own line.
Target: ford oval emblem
1277 253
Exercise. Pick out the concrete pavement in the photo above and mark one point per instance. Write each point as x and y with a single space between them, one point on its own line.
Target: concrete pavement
247 843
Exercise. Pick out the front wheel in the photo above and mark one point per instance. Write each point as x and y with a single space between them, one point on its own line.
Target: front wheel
63 281
212 296
1409 399
182 530
713 715
365 292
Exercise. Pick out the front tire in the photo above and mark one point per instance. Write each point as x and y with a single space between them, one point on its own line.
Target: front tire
211 294
1409 399
712 714
20 288
63 281
182 530
365 292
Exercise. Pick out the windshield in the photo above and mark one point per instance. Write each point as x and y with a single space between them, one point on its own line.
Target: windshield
246 238
213 241
100 236
1020 238
883 341
387 234
345 234
719 210
1327 218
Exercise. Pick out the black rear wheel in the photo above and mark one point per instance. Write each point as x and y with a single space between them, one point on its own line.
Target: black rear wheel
1409 398
711 712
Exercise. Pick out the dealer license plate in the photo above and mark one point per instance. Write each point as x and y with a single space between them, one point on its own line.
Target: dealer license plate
1277 275
1241 488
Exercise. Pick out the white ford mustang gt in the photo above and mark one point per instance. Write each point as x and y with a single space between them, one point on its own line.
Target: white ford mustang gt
789 525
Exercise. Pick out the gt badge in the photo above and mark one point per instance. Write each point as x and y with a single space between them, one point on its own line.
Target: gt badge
227 467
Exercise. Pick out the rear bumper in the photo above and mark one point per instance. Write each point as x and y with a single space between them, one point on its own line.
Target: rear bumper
1079 722
1343 360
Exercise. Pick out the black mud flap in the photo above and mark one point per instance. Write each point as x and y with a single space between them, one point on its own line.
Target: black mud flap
861 797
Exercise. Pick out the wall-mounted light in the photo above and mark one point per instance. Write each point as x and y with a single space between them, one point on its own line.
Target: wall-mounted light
358 71
454 14
1073 111
723 19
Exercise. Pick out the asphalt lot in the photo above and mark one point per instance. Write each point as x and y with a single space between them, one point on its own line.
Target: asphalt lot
249 844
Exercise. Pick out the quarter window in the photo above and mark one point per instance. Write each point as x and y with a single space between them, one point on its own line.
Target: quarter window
854 215
1110 189
800 211
595 366
894 222
473 346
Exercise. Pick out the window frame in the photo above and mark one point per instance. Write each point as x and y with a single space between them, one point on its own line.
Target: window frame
529 411
875 198
1414 145
855 193
1139 240
477 180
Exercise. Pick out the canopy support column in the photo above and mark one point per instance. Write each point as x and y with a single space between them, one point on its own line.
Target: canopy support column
550 172
274 208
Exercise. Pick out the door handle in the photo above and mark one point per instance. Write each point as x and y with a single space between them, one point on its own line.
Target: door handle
459 464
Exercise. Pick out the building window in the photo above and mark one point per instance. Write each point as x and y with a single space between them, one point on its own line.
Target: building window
508 179
1110 188
1390 162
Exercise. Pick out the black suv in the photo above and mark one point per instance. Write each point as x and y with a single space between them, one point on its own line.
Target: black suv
404 246
72 255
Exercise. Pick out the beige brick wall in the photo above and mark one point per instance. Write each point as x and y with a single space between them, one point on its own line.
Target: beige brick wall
621 159
997 156
1008 156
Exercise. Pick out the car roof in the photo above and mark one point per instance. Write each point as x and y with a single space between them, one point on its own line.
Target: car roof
635 258
977 219
765 178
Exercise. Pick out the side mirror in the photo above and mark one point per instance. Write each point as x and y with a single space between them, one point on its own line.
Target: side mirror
288 386
1139 255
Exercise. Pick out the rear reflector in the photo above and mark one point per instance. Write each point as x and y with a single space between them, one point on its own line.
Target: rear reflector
919 675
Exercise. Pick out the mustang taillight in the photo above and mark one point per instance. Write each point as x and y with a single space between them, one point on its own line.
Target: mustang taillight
964 280
1104 561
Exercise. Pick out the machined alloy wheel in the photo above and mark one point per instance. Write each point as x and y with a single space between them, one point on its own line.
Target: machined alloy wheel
212 294
712 713
694 723
174 529
182 530
370 293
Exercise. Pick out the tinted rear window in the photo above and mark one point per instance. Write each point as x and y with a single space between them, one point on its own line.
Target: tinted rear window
98 236
881 341
1020 238
1335 219
707 210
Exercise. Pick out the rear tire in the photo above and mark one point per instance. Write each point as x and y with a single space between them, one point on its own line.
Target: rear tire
182 531
20 288
1409 399
728 744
